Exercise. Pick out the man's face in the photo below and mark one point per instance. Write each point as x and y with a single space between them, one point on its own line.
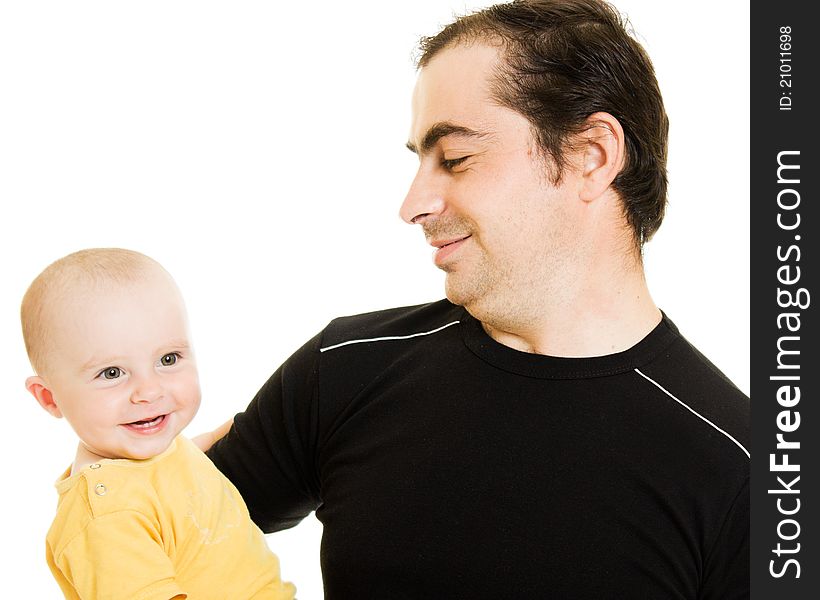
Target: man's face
482 193
122 370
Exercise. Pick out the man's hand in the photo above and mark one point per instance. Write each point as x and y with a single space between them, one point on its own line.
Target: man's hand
205 440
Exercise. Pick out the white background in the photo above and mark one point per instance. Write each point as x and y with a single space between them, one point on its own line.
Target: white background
256 149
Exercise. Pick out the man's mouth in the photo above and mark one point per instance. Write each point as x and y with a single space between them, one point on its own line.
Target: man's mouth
445 248
448 242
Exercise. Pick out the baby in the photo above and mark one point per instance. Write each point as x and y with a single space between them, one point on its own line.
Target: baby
142 513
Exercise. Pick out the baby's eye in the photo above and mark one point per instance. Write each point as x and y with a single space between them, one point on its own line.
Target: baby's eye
169 359
110 373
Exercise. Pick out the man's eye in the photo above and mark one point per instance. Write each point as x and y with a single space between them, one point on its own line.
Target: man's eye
169 359
452 163
111 373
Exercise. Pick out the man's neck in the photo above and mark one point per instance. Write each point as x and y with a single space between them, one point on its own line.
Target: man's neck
601 315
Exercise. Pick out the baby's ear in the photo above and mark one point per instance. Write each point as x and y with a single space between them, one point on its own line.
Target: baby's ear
37 387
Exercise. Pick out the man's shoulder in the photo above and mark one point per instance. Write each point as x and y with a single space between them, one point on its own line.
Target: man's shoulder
693 370
683 374
404 322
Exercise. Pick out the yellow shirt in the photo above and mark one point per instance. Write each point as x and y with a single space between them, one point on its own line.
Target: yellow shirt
168 527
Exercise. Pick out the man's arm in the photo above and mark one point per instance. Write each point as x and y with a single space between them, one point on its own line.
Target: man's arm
726 573
270 451
205 440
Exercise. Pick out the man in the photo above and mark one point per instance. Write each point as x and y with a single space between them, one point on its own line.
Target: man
545 432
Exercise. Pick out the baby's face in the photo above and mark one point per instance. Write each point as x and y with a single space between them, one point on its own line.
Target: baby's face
122 370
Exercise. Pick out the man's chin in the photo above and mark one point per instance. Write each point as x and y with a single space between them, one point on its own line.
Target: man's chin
457 292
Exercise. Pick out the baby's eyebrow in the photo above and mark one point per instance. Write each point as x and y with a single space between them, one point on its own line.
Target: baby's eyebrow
180 344
441 130
100 361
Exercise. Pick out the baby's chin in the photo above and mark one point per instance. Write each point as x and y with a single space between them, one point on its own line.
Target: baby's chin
147 451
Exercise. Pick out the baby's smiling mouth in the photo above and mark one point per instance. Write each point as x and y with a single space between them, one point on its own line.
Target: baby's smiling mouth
146 423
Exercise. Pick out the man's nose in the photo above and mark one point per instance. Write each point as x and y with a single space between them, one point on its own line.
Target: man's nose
424 198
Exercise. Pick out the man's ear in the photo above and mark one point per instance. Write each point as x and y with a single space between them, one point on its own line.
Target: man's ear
603 155
37 387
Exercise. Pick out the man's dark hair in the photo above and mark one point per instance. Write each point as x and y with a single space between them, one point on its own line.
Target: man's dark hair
564 60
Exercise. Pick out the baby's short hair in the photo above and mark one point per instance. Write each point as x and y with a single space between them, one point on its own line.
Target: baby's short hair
82 270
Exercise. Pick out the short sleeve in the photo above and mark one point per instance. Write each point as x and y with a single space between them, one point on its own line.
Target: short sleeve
726 574
270 452
119 556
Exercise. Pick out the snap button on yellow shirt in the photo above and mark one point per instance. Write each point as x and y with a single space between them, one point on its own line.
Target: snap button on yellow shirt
168 527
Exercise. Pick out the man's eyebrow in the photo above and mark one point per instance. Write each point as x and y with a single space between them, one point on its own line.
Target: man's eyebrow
440 130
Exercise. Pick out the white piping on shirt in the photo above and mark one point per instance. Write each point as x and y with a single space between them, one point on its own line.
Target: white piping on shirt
389 337
700 416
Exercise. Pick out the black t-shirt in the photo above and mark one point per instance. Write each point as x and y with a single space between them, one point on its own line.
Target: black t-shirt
446 465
